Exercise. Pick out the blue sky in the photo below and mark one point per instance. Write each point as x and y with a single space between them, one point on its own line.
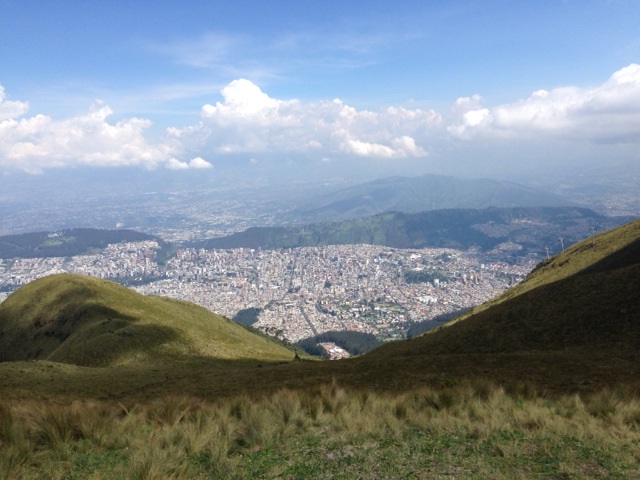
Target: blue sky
195 84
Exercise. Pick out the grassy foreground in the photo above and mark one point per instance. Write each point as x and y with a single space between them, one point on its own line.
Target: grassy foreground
464 431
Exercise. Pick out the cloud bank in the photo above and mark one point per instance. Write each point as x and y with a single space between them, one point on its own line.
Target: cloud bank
248 121
39 142
608 113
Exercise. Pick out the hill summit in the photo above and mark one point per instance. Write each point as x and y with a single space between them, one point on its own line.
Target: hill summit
87 321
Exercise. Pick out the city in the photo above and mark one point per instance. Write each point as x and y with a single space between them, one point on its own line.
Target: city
298 293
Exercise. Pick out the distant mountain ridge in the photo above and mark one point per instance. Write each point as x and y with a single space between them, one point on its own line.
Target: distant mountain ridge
419 194
67 243
525 230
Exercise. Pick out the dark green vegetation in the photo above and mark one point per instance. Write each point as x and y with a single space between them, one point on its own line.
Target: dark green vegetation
531 229
67 243
247 316
417 328
560 350
419 194
355 343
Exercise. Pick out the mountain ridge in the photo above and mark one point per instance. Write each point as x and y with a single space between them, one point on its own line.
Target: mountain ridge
422 193
582 298
524 230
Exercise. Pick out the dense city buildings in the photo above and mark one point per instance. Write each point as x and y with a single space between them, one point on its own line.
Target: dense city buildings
298 292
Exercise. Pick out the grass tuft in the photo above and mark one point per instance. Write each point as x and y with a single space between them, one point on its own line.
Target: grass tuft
470 430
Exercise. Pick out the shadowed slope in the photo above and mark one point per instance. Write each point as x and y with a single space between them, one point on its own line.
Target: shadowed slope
617 247
90 322
584 298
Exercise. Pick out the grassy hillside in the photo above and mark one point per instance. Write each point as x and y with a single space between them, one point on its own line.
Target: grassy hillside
574 322
91 322
473 431
604 251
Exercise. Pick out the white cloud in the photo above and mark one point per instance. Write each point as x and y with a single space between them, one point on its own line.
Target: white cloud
242 100
249 120
348 144
609 113
199 163
10 109
175 164
464 104
39 142
408 147
476 118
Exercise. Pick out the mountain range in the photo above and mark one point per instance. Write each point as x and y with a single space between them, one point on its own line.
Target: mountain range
419 194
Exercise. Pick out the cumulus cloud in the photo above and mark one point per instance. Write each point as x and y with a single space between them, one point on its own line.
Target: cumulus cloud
175 164
40 142
242 100
199 163
608 113
249 120
10 109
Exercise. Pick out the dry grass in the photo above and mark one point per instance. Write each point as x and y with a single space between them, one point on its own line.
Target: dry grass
472 430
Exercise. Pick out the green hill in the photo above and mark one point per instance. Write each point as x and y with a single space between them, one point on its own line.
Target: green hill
91 322
528 230
67 243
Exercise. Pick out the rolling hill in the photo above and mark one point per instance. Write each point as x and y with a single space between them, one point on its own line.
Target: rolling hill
90 322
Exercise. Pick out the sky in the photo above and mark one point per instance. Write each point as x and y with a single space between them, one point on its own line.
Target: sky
462 87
